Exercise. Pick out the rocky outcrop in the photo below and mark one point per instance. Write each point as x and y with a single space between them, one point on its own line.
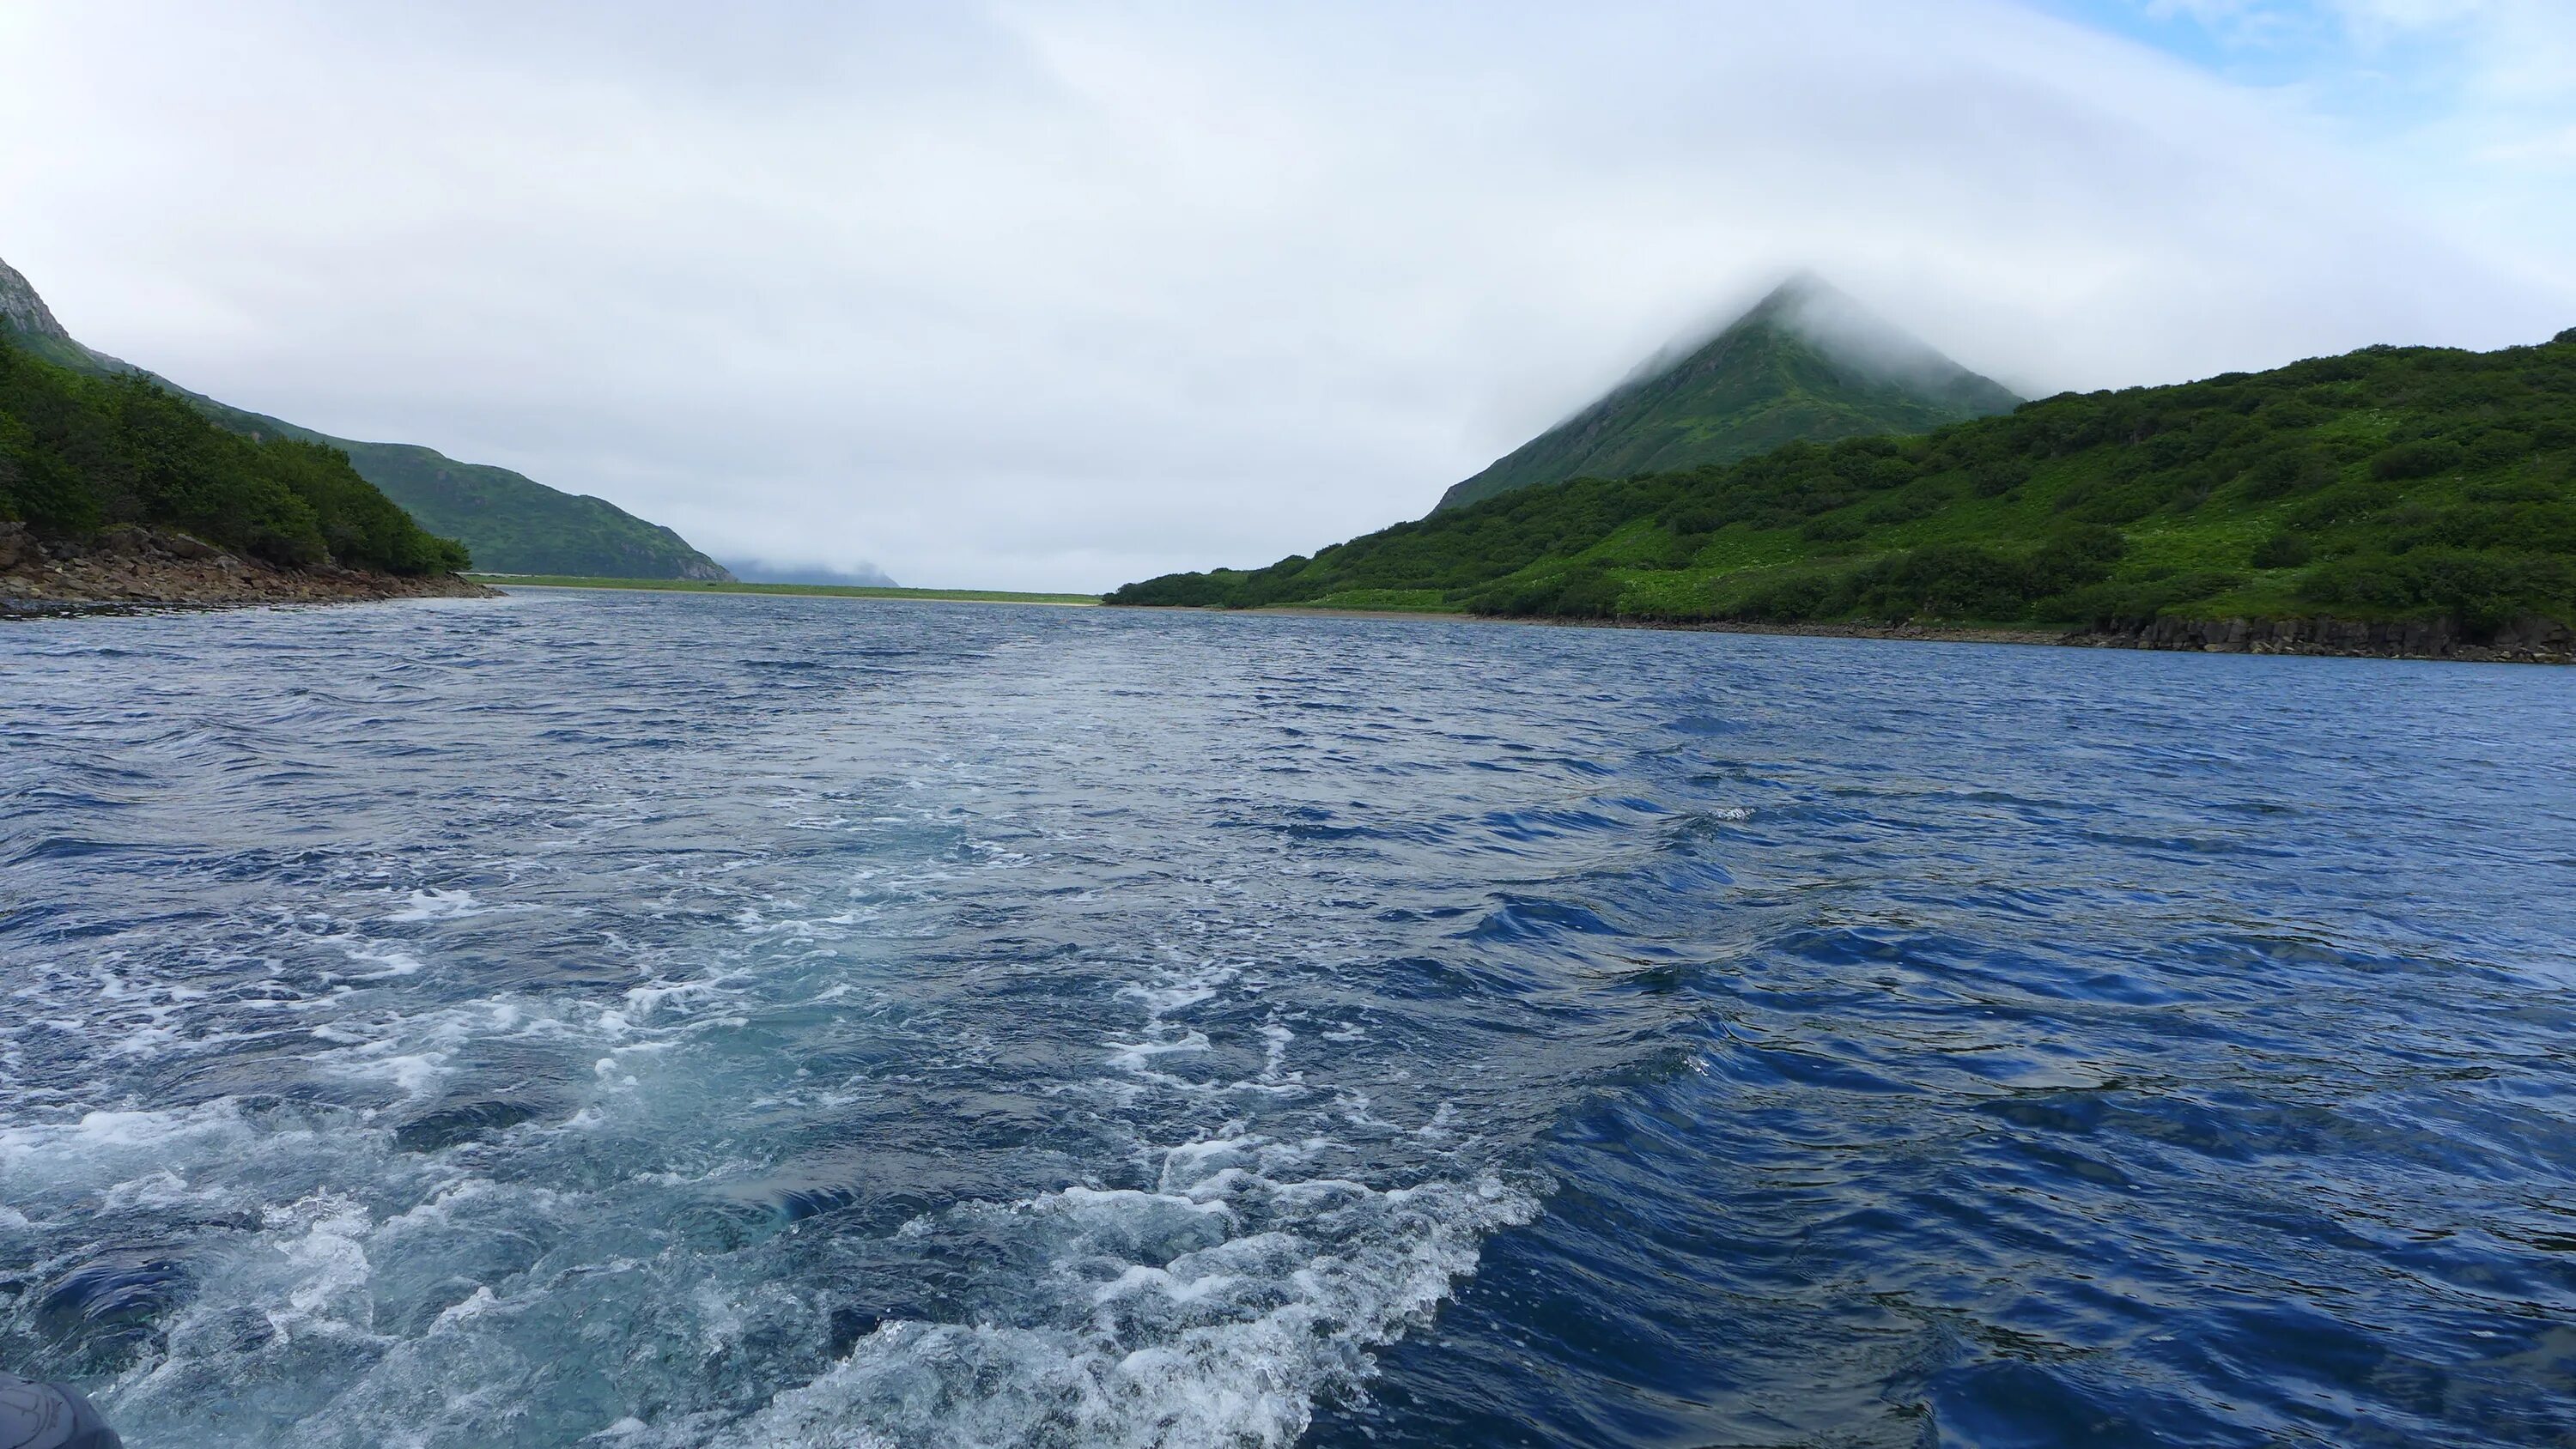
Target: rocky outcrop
21 310
137 566
2525 641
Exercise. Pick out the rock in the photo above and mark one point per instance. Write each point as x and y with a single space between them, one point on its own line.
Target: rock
139 566
18 548
182 545
2528 640
125 540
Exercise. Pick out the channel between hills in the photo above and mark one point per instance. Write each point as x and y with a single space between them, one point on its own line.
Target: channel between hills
817 591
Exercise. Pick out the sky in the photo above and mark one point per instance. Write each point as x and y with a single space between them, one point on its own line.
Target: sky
1056 296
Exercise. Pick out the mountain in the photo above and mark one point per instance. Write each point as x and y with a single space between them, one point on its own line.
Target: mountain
2392 500
1806 364
511 524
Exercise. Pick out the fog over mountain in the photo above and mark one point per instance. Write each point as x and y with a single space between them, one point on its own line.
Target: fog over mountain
859 576
1808 363
1058 296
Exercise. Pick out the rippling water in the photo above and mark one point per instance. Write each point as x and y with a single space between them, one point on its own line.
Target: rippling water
654 1021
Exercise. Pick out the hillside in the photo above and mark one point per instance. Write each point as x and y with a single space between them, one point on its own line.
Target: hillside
2420 486
83 456
1806 364
511 523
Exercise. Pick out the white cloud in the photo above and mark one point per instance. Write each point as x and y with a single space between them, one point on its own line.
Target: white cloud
1061 296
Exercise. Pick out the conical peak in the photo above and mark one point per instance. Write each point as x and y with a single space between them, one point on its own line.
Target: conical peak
1822 316
1798 291
1807 361
21 310
1810 307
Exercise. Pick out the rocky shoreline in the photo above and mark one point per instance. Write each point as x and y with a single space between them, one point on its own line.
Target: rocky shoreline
130 567
2526 641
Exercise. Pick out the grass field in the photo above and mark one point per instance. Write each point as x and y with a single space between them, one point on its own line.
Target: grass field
837 591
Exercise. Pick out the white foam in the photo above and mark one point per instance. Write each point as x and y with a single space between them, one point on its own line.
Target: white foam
1134 1056
438 905
474 1306
1227 1343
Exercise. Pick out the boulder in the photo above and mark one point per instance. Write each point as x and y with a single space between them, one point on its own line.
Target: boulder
183 545
125 540
18 548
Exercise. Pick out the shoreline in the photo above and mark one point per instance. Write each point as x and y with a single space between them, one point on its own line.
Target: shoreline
132 570
2534 641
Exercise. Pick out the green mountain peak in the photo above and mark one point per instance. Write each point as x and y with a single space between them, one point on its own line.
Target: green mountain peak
1806 363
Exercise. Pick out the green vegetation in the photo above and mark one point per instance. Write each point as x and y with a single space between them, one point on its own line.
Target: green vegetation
733 586
507 520
1807 364
2391 483
79 454
510 521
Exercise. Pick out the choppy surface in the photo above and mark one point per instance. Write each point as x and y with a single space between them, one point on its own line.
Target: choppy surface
654 1021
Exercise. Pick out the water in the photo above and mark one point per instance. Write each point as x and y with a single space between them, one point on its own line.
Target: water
641 1021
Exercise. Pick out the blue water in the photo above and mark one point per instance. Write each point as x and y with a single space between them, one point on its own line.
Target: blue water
652 1021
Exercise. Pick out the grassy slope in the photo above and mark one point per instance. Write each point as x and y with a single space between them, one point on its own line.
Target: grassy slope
81 452
1756 387
506 520
731 586
2389 483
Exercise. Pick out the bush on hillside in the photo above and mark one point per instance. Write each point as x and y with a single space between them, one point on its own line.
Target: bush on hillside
2483 591
2420 459
79 454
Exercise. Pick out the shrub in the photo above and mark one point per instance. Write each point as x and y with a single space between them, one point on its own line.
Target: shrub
2001 476
2282 551
2295 469
2482 591
2128 604
2420 459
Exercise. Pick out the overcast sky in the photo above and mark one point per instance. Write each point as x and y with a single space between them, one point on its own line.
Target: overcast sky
1062 295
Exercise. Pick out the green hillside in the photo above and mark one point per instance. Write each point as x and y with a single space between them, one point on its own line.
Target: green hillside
511 523
1806 364
2392 483
81 453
